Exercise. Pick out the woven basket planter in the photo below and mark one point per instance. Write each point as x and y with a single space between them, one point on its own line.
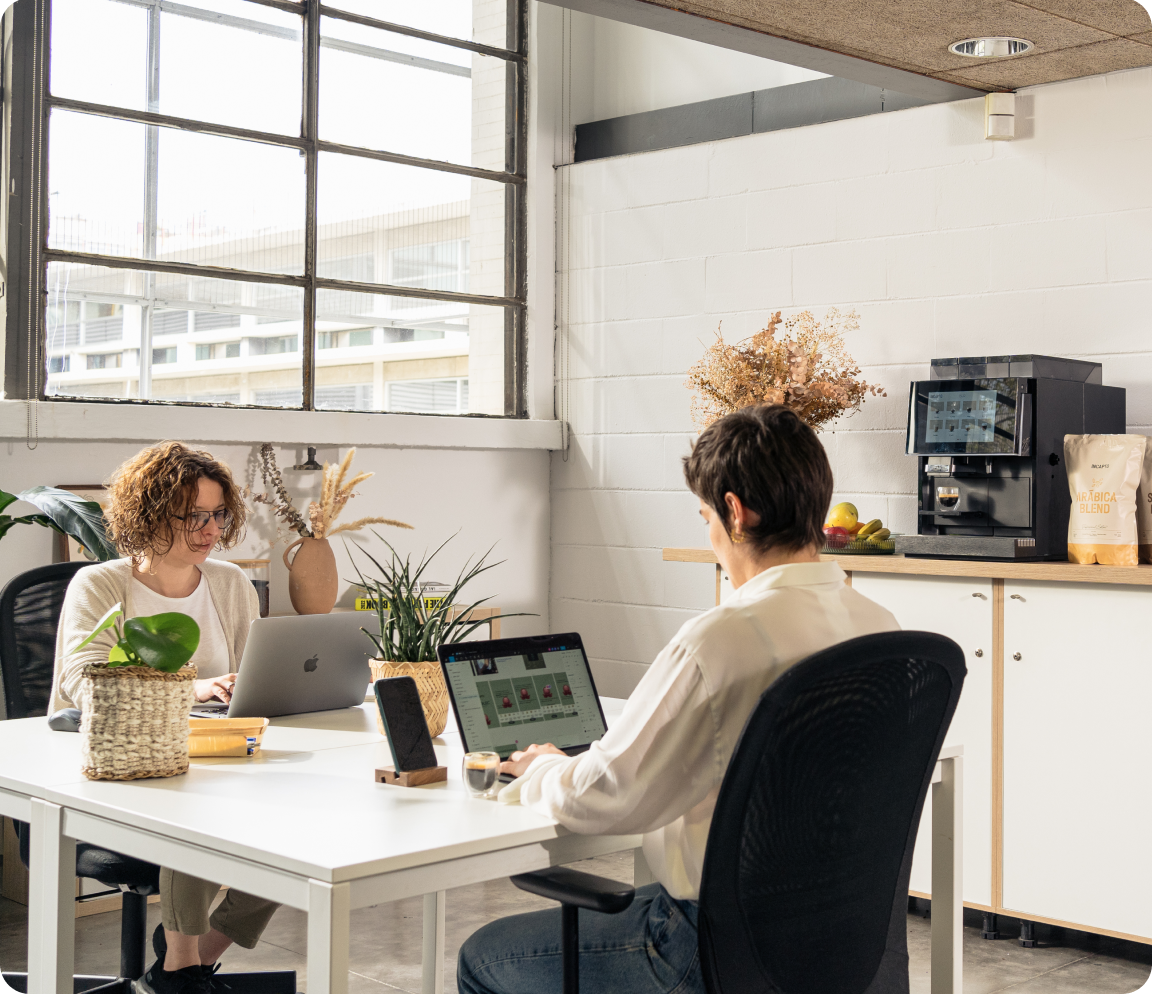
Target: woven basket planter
429 681
135 722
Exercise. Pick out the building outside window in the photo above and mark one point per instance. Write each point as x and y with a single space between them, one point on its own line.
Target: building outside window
369 258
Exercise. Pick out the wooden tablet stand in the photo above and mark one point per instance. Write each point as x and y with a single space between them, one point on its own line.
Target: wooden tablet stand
412 778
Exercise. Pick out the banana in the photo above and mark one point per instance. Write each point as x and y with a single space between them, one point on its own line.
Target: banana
882 535
873 526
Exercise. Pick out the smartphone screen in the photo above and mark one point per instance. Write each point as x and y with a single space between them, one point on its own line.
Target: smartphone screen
404 724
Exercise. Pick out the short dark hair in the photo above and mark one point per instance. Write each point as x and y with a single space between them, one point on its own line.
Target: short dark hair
775 464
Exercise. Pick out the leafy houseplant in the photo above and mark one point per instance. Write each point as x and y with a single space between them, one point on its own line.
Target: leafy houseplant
413 625
65 513
135 721
313 584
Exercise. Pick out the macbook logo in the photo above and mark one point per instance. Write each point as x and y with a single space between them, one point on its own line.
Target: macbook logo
311 664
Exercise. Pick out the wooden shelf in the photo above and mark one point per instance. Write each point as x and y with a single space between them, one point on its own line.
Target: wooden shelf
1140 576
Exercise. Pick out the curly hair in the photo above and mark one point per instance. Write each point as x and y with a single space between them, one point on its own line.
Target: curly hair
156 486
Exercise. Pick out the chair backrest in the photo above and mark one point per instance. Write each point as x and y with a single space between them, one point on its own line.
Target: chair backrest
30 606
805 879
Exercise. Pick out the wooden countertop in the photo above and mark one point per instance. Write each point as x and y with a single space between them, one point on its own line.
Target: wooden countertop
1071 572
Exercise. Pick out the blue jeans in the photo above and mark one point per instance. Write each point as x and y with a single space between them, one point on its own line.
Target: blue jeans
652 948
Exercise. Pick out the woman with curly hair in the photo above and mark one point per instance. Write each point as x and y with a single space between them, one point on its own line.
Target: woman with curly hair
169 507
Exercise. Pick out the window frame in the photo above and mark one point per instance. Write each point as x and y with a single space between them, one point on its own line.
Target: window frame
28 106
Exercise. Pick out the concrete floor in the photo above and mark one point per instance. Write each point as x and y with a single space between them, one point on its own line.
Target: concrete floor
385 953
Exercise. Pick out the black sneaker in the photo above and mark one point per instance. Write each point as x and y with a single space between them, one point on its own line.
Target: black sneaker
190 980
160 945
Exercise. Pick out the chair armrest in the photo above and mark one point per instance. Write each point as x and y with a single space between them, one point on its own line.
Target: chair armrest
582 890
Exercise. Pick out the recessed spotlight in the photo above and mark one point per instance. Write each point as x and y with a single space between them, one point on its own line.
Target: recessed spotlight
991 48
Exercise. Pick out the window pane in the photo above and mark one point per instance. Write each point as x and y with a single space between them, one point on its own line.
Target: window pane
376 352
237 63
99 52
221 201
387 91
213 341
410 226
452 18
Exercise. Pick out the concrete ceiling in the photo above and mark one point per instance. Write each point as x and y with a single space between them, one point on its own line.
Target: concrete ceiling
910 38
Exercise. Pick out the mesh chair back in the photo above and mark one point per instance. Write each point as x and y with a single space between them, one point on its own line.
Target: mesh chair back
805 880
30 607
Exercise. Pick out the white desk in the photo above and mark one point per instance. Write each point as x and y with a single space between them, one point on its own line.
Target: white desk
303 823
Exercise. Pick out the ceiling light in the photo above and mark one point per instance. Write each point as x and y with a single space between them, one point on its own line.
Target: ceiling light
991 48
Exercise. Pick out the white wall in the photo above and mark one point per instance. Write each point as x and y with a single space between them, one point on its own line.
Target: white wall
620 69
490 496
945 243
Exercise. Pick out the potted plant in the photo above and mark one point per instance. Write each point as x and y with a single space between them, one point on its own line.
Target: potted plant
65 513
313 583
135 718
416 616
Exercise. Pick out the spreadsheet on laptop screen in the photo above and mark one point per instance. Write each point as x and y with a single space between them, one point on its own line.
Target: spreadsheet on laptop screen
506 703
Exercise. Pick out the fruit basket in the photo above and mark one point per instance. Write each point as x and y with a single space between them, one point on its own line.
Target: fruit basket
862 547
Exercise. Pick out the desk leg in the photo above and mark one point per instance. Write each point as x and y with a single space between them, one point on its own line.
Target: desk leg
432 957
948 878
328 911
51 903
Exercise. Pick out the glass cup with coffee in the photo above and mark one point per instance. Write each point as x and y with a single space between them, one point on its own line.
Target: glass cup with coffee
481 773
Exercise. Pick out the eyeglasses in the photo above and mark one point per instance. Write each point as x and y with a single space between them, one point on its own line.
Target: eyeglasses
197 521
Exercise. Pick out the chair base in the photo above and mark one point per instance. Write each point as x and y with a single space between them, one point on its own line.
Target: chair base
272 982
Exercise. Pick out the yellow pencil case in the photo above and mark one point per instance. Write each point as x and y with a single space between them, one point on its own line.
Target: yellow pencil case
225 736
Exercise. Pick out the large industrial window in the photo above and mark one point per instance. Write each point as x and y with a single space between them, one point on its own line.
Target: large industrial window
269 203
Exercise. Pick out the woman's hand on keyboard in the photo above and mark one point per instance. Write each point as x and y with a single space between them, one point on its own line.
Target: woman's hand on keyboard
518 763
216 688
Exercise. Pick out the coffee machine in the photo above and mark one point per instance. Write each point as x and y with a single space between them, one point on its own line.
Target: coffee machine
988 436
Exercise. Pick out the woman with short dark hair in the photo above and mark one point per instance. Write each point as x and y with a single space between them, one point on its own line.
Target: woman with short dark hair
764 485
169 507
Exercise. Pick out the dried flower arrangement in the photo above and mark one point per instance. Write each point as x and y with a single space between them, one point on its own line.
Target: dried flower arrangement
808 369
335 491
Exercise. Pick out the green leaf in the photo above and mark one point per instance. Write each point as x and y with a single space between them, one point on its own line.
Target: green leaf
6 499
82 519
118 657
163 641
107 621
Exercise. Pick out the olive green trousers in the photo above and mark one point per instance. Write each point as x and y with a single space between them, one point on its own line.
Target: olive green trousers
184 904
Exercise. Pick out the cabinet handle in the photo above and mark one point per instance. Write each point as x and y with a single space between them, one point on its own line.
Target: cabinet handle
982 597
978 653
1016 597
1017 656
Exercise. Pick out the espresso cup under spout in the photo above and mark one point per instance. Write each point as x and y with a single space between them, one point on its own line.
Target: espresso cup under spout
948 497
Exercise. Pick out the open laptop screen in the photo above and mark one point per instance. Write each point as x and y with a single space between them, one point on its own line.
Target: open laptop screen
510 693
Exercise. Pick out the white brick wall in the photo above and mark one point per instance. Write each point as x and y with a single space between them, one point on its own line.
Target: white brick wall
944 243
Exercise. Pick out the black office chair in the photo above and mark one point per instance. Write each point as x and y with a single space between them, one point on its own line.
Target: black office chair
805 879
30 606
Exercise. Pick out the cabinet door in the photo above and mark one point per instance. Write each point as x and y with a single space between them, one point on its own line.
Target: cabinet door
1078 754
961 609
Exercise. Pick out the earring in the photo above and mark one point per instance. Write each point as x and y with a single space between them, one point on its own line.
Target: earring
736 537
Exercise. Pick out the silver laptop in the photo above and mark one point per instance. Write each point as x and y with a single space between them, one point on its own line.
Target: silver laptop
311 662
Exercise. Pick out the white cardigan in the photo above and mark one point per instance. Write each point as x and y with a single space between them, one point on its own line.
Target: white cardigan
658 768
96 588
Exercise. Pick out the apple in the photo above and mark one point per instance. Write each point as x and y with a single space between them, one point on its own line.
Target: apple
835 537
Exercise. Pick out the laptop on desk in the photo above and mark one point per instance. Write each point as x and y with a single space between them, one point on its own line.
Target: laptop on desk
309 662
508 693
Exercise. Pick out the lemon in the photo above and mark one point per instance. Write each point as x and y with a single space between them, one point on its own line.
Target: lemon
843 516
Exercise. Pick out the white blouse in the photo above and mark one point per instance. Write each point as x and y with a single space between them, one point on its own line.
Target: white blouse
211 656
658 769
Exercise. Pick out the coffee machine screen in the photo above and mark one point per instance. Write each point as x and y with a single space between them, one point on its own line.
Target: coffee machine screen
969 417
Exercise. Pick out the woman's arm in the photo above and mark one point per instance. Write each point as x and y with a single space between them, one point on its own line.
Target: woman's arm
90 594
657 762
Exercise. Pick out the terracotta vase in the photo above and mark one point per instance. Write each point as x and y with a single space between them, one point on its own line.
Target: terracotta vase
313 583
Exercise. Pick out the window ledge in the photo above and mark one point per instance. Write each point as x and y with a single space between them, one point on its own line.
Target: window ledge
81 421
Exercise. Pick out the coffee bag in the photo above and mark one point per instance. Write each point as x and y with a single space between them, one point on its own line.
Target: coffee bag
1103 475
1144 506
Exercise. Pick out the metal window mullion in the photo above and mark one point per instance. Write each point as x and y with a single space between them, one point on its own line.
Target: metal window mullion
310 133
151 205
35 208
515 216
181 268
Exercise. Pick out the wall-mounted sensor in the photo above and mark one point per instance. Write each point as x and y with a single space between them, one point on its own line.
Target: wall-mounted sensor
1000 116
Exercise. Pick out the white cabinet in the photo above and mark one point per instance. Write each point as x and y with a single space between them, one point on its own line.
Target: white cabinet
961 609
1078 754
